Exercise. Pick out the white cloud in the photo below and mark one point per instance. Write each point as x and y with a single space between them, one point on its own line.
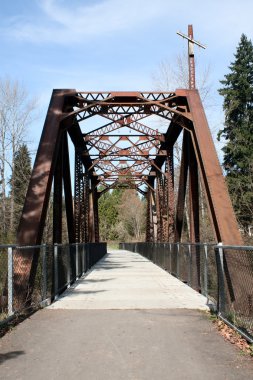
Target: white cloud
61 22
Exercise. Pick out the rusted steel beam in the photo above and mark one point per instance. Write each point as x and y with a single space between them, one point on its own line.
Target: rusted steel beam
158 203
91 225
57 195
193 195
34 212
96 216
170 194
31 226
131 122
148 217
139 104
78 198
194 216
220 207
68 190
182 188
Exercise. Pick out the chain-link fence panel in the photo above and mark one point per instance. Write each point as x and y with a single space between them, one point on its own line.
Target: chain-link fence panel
4 281
33 276
235 277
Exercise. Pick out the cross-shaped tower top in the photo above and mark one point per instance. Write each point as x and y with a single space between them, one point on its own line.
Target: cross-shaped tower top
191 61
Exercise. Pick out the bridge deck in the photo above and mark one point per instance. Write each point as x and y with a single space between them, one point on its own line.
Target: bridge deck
166 341
126 280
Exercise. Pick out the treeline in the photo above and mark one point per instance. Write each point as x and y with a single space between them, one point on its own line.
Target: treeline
122 216
237 92
16 112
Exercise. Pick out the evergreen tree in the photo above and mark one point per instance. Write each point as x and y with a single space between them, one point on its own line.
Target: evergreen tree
19 181
237 91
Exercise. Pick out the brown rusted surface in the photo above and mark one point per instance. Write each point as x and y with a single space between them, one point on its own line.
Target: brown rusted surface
32 221
220 206
31 225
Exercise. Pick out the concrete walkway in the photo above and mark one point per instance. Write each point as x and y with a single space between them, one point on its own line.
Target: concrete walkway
158 337
126 280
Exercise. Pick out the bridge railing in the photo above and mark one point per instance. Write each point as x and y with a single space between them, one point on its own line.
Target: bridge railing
58 266
224 274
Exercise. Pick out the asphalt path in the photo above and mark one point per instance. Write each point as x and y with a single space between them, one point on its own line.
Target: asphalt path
122 343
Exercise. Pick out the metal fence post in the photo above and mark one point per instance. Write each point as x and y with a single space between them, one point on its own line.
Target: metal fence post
10 281
69 265
77 261
205 274
221 282
170 258
178 259
56 280
190 265
44 272
83 270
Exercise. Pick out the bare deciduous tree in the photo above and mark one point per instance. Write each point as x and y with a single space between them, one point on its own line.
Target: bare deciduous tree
132 213
16 112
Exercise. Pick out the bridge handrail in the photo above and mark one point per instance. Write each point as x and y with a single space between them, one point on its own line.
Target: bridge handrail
238 247
59 266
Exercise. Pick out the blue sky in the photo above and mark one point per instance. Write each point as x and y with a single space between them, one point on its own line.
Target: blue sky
114 45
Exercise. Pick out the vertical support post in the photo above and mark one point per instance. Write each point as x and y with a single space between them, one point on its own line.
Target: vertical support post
57 206
153 216
91 216
44 272
194 209
96 221
77 261
178 260
56 278
78 194
10 281
190 265
193 194
148 217
171 198
83 258
182 188
170 270
158 208
221 278
205 274
69 265
68 190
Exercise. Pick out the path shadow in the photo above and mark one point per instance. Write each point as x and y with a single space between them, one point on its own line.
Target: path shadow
74 293
100 280
10 355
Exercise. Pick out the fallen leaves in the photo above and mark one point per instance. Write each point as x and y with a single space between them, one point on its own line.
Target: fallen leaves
233 337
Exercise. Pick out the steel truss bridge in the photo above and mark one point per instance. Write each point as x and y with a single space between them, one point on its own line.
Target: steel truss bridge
124 149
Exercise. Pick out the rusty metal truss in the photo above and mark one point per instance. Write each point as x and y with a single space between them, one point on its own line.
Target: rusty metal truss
119 143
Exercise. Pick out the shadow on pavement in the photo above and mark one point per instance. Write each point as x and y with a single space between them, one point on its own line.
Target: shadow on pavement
10 355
